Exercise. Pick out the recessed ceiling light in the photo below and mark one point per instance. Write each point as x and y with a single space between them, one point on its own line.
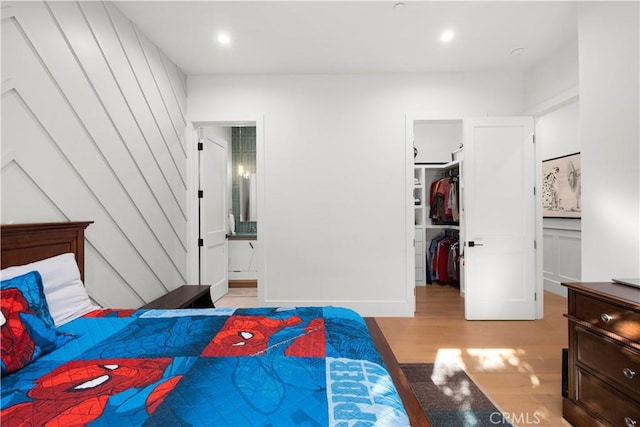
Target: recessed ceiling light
223 38
447 36
398 6
517 51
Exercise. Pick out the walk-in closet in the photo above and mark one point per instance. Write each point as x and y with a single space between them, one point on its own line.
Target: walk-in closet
438 154
475 213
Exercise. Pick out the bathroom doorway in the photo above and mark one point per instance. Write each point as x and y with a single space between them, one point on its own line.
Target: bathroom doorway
239 258
243 236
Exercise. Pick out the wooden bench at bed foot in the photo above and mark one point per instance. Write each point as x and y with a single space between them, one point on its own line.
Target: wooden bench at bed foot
186 296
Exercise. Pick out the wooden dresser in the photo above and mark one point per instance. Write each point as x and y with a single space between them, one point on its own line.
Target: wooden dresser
604 355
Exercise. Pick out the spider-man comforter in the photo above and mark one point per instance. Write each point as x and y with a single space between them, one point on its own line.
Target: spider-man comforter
312 366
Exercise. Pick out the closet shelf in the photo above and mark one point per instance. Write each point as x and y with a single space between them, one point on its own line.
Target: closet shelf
440 166
443 226
452 164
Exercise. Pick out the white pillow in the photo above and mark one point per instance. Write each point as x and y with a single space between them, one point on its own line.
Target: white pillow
65 293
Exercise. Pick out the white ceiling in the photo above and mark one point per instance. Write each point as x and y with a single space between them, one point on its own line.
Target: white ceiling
353 36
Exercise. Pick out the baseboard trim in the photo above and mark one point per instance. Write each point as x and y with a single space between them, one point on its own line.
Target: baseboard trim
243 283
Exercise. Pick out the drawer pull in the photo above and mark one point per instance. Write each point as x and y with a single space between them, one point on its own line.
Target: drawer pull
606 318
628 373
630 422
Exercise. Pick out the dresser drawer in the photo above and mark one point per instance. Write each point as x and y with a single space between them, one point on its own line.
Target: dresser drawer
609 317
601 399
618 363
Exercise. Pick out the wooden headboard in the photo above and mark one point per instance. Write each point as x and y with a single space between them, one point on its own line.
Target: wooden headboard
25 243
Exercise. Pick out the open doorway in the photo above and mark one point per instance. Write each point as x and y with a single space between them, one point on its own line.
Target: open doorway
492 258
242 205
226 179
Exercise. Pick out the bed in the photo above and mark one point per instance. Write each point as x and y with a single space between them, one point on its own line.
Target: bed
84 365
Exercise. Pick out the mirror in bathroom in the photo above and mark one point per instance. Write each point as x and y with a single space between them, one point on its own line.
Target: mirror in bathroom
248 189
244 180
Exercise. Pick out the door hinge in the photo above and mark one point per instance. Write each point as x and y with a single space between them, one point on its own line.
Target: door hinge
414 243
200 243
200 146
534 138
200 194
535 244
534 191
535 296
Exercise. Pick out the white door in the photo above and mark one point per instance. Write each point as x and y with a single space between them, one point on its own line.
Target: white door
214 252
499 202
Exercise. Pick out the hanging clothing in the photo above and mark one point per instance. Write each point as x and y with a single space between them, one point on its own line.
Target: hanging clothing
443 259
455 212
443 201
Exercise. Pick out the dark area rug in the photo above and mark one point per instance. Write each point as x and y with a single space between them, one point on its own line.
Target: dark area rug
449 397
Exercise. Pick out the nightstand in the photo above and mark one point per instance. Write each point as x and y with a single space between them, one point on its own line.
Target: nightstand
186 296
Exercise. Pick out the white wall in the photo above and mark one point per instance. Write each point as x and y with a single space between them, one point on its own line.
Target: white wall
609 114
553 76
93 128
552 94
558 131
558 134
333 223
435 141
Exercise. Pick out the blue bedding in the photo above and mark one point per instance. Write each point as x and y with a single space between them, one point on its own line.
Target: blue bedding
311 366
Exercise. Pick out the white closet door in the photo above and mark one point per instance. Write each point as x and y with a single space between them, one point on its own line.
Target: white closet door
214 254
499 200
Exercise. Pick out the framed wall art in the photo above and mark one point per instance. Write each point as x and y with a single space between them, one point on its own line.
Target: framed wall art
561 187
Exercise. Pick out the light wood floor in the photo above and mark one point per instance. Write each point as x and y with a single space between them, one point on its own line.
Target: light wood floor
518 364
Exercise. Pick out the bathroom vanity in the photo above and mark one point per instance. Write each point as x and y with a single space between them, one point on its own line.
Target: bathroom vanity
243 259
